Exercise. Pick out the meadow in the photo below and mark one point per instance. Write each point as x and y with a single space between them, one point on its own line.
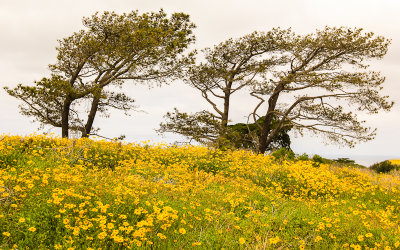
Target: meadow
84 194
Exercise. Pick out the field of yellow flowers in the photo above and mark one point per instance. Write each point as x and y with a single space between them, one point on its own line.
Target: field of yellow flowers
82 194
396 161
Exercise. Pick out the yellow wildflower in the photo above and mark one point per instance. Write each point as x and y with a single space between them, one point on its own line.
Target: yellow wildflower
318 238
161 236
102 235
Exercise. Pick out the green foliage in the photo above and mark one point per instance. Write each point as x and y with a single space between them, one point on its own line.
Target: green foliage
203 127
94 61
303 157
279 62
384 167
44 101
230 66
283 154
211 163
317 61
318 159
344 161
247 135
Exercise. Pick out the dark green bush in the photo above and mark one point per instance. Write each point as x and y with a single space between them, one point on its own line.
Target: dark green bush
384 167
344 161
318 159
303 157
283 154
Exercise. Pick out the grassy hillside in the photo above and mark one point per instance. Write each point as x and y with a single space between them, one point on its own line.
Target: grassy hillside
78 194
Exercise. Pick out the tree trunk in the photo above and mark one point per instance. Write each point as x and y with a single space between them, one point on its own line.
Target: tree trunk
65 117
225 115
266 127
92 114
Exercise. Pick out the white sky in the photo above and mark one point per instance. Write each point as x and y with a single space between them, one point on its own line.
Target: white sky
30 29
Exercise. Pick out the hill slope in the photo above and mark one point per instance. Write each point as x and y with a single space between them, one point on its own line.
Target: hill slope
79 193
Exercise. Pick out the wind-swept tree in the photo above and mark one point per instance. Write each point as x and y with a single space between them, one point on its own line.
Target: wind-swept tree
44 102
206 129
322 86
316 82
228 67
112 48
245 135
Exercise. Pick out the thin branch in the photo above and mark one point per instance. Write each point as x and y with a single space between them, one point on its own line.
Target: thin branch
256 108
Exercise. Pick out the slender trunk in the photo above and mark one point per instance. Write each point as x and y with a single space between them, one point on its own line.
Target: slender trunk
65 117
265 138
227 96
92 114
225 115
270 137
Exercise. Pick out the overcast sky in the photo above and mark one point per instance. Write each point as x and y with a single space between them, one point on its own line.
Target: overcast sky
30 29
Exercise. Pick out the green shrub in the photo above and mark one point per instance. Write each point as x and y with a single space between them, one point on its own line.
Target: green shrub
318 159
384 167
303 157
283 154
344 161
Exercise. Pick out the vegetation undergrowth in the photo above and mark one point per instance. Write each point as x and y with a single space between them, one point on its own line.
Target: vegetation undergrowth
81 194
386 166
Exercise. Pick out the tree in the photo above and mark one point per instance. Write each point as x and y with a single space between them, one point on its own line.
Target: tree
201 126
245 135
206 129
323 71
44 102
228 67
111 49
305 80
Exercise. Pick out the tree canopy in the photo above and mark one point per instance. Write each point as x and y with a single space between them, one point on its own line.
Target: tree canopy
326 82
317 82
229 67
112 48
